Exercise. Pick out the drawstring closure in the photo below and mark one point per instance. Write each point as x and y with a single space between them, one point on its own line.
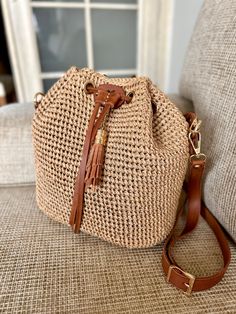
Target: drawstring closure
107 97
96 157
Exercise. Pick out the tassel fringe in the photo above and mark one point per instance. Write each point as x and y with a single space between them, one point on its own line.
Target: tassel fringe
96 160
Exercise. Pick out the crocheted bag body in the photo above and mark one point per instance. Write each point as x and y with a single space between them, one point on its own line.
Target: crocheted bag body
146 157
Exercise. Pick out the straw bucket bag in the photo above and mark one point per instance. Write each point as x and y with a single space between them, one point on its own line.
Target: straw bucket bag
111 155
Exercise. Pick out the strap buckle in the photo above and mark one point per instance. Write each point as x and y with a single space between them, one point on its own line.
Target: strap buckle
196 144
195 140
190 277
195 126
194 136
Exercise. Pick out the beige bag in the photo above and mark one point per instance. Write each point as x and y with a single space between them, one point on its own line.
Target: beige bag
146 157
111 157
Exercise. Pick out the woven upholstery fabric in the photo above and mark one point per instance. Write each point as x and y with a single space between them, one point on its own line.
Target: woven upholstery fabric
45 268
209 80
145 162
16 150
184 105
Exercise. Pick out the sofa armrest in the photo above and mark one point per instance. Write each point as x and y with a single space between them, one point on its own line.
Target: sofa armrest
16 157
182 103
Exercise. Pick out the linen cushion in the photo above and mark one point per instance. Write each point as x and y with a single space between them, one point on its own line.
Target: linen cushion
46 268
209 80
184 105
16 151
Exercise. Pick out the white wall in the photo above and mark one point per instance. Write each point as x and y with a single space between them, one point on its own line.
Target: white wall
184 16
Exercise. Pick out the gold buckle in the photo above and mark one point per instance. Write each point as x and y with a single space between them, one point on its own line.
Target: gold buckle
196 146
191 278
198 157
195 126
194 129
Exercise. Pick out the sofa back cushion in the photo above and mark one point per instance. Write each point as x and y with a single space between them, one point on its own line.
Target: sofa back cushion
209 80
16 151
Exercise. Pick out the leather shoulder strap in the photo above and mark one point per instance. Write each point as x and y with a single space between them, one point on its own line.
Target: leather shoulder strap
175 274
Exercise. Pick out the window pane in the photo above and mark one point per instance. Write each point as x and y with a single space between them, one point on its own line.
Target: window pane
61 38
114 38
47 84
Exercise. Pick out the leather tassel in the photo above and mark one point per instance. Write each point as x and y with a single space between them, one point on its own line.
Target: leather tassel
96 160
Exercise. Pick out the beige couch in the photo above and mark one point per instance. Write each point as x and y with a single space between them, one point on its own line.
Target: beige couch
45 268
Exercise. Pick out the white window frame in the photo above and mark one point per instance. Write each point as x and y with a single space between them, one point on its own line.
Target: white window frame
154 17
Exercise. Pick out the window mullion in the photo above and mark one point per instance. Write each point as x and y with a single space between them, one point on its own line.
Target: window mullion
89 37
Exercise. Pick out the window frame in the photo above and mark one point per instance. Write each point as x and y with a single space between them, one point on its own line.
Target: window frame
153 44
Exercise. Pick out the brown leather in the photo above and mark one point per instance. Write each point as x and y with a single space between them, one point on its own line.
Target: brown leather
109 97
177 276
194 194
196 170
76 212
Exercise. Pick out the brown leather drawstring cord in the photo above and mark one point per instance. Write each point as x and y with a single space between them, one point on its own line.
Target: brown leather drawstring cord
107 97
76 215
177 276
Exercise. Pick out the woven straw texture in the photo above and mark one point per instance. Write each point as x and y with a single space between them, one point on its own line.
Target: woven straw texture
209 80
145 162
45 269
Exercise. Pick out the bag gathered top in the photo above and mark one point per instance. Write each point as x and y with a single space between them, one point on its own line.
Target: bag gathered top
111 157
